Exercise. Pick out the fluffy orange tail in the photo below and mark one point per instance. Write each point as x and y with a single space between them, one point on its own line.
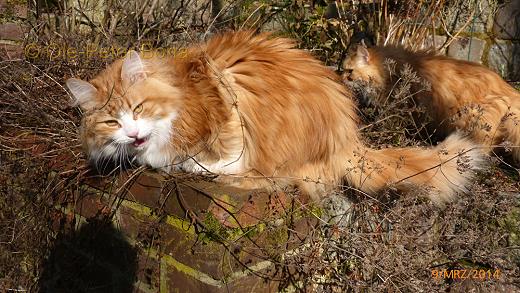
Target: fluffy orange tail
444 170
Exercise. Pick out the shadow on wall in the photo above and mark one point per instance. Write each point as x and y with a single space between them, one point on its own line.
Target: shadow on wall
506 27
95 258
514 64
504 58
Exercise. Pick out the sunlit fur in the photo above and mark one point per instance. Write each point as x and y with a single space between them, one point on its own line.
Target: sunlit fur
261 113
464 95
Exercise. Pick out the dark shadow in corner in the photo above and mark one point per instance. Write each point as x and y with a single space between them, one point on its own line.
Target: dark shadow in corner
95 258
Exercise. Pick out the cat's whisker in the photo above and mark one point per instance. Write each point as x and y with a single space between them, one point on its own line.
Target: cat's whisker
128 158
98 157
101 161
119 155
123 153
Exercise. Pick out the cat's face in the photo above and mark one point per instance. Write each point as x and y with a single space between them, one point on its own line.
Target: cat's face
361 65
127 115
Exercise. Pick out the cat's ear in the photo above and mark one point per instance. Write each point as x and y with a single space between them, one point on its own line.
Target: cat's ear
83 92
197 68
362 52
132 70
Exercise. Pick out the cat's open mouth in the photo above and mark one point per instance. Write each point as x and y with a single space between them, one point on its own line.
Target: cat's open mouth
140 141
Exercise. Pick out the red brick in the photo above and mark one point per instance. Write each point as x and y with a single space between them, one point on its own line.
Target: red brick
129 222
176 198
249 209
210 258
91 204
180 282
197 196
301 230
149 271
97 181
185 248
145 190
182 246
178 201
11 51
11 31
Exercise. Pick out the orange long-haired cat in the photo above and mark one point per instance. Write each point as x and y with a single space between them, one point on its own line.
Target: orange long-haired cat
463 95
256 111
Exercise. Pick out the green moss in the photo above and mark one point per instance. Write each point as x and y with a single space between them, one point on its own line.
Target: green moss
276 240
511 223
172 221
278 235
215 231
310 211
485 54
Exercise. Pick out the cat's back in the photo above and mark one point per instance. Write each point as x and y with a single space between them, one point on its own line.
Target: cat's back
274 69
401 55
275 59
429 61
464 76
455 76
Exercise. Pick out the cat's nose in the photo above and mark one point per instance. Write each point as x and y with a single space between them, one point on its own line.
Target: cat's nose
132 133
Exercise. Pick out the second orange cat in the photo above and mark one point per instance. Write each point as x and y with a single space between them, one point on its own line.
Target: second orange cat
464 95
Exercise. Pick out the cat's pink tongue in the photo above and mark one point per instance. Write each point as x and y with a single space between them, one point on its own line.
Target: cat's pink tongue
139 141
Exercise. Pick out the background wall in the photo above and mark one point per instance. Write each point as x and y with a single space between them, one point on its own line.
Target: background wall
491 37
487 31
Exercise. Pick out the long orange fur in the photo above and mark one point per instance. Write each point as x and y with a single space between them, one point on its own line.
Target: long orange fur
464 95
260 112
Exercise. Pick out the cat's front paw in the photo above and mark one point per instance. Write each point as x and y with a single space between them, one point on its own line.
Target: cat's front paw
191 166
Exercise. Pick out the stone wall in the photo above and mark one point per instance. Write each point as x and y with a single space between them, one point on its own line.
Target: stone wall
483 31
488 33
156 231
146 232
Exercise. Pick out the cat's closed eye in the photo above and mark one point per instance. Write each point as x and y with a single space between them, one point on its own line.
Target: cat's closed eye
347 74
112 123
138 109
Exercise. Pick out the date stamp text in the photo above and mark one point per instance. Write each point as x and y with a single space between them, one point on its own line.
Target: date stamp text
463 274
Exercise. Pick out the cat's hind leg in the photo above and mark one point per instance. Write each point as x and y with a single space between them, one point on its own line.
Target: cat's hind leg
485 121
